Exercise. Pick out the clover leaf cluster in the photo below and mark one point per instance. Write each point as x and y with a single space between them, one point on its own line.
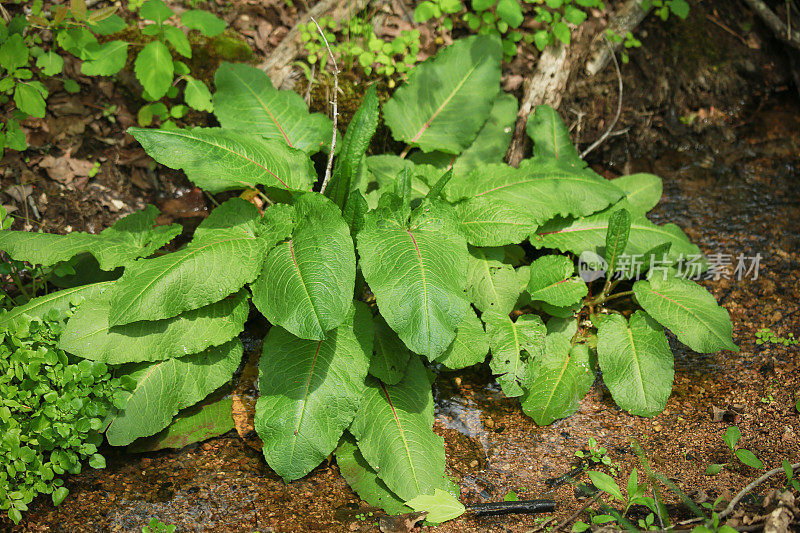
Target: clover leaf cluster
53 408
439 258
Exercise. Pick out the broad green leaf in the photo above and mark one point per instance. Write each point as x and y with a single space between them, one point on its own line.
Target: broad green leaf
553 281
390 358
470 345
364 480
619 229
491 283
510 12
154 69
29 97
246 100
310 392
164 388
515 346
178 40
217 160
501 205
441 506
749 458
417 272
89 335
109 25
428 111
689 311
636 361
203 272
75 40
589 234
14 53
197 95
642 191
105 59
207 23
394 431
129 238
59 302
606 483
50 63
551 137
354 147
732 436
387 169
558 380
490 146
306 284
155 10
194 424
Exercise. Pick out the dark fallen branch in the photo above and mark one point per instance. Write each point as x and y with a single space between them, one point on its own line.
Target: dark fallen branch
782 32
518 507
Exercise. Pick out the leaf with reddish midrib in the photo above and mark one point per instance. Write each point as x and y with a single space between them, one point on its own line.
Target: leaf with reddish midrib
310 392
246 100
394 432
447 98
217 160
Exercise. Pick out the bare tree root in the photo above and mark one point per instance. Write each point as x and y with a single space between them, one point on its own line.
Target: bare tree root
625 19
279 63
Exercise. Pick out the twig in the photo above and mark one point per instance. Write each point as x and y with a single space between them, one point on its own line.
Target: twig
335 107
726 28
742 493
569 519
608 131
729 509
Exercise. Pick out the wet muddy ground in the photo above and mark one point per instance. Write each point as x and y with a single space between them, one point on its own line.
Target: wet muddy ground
732 198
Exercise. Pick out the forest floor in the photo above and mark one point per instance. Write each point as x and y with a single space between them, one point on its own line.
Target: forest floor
710 108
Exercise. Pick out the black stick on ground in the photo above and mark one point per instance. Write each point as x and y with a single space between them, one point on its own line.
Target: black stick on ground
518 507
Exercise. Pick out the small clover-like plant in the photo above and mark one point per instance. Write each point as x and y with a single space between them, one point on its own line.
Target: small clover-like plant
355 43
398 265
52 410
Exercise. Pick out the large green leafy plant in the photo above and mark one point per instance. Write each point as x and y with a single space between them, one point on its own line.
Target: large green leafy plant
399 266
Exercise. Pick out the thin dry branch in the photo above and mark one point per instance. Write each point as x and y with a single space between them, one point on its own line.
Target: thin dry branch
335 107
613 123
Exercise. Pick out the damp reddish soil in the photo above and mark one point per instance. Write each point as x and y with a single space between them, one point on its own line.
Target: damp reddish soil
737 198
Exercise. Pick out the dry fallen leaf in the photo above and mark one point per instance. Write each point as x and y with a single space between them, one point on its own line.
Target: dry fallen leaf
244 402
402 523
65 169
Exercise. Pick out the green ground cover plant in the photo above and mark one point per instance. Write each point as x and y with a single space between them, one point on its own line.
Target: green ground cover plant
53 409
26 61
399 267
